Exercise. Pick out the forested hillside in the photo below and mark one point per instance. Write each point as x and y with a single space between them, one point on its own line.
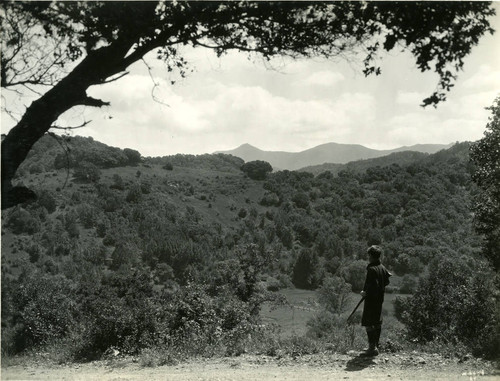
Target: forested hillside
137 252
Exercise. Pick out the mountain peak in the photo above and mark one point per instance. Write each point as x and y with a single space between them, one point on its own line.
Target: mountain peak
247 146
325 153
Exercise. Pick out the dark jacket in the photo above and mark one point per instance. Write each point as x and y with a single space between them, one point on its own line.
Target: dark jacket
377 277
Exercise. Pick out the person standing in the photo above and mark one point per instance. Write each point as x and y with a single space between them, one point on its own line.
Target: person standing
377 278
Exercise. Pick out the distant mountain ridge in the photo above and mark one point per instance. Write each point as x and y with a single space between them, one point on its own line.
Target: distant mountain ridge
334 153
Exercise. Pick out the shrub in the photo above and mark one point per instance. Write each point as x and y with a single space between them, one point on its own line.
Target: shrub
134 194
270 199
46 200
301 200
88 215
112 203
133 156
87 172
21 221
408 284
455 303
305 270
305 233
334 294
124 255
146 187
164 272
36 168
101 229
117 182
118 312
71 225
34 252
95 254
355 274
44 310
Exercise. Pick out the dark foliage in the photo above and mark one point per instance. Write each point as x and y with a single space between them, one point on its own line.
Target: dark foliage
87 172
305 271
455 304
21 221
257 170
100 40
152 265
486 156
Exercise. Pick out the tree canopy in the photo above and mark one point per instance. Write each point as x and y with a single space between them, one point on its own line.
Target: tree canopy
66 47
486 155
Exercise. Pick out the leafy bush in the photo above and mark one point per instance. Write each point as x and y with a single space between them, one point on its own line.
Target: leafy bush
355 274
133 156
44 310
334 294
88 215
34 252
486 156
95 254
36 168
117 182
47 200
301 200
332 329
146 187
408 284
125 254
305 271
270 199
305 233
87 172
118 312
21 221
455 303
242 213
134 194
71 224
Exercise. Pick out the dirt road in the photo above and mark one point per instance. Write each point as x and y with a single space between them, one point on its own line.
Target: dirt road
402 366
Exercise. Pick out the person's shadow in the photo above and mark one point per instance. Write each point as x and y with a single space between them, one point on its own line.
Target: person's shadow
358 363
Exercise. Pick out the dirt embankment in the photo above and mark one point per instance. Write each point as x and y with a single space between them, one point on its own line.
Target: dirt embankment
399 366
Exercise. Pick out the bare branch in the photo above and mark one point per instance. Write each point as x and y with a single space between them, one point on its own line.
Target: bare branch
155 84
31 89
71 127
10 113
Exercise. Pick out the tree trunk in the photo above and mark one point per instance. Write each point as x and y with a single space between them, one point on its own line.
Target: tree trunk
42 113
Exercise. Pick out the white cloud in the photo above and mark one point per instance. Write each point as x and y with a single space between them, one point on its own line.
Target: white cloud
410 98
413 128
232 100
485 78
322 78
216 114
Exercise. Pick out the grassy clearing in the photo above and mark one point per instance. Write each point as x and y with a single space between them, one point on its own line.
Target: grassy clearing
292 318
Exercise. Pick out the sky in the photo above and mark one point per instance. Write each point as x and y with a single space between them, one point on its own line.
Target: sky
287 105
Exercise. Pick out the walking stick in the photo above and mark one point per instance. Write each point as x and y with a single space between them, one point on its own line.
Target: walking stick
355 308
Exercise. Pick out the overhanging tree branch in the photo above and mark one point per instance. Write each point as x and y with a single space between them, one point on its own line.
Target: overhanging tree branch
100 40
90 101
115 78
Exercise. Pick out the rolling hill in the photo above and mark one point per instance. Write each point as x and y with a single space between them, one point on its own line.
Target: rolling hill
116 253
325 153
